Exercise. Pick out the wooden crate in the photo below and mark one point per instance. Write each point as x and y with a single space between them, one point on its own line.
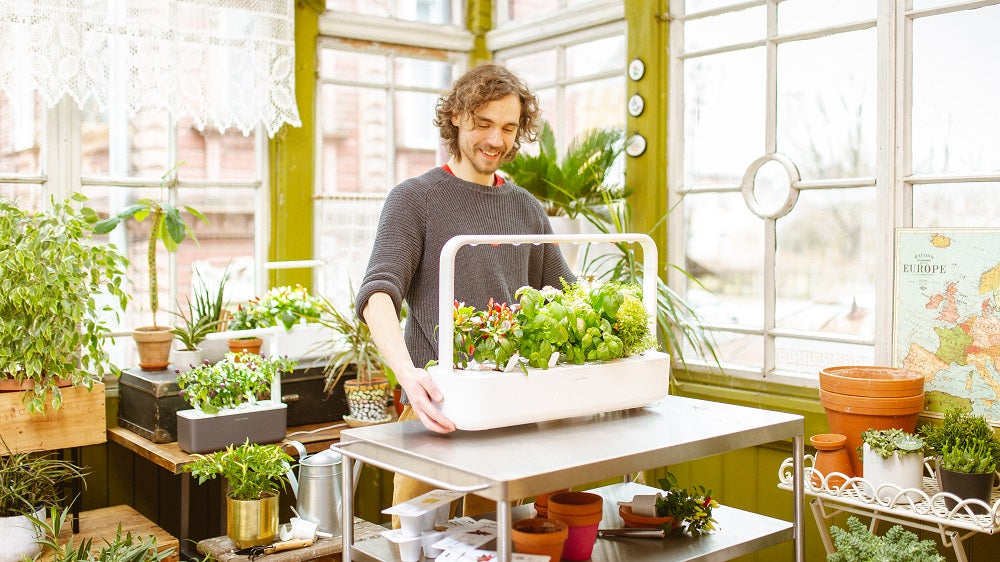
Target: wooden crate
80 421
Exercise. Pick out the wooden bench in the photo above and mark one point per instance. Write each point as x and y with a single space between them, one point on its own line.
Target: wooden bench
101 524
325 550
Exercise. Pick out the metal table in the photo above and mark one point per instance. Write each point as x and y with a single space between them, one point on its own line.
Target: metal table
522 461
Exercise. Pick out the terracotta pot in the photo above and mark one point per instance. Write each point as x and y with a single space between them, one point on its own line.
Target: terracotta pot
540 536
831 456
251 345
153 344
851 415
397 400
542 502
871 381
635 521
583 512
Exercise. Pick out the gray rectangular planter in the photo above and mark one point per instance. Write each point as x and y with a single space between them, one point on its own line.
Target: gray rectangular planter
264 422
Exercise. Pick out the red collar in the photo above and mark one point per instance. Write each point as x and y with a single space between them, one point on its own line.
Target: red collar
497 180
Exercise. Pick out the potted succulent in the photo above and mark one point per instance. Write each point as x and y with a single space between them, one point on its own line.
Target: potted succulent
52 275
226 406
167 225
29 484
351 345
893 460
203 317
968 454
858 544
255 475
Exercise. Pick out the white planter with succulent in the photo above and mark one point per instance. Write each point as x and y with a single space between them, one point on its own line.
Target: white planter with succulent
893 461
227 410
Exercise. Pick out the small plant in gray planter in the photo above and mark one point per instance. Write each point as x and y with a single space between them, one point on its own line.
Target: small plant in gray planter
858 544
894 457
968 455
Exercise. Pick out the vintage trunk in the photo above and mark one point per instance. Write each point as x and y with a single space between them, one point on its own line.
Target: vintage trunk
148 401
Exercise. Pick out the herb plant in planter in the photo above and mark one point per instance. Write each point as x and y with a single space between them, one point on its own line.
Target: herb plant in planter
293 313
968 455
29 484
227 409
255 475
858 544
893 460
52 323
165 224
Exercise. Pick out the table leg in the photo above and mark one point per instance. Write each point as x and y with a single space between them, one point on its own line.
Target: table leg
185 534
504 550
798 492
821 524
347 493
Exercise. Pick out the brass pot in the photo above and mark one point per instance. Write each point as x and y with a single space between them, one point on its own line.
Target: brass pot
252 522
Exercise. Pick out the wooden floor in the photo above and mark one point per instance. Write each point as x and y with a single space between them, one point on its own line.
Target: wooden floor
101 524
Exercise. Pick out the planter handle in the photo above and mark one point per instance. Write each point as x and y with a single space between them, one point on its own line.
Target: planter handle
446 275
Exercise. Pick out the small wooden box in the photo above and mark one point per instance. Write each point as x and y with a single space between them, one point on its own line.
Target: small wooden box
80 421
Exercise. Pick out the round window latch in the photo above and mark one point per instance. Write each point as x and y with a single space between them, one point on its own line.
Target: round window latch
636 69
635 105
636 145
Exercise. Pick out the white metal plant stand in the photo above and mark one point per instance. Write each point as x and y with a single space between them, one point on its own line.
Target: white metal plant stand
919 509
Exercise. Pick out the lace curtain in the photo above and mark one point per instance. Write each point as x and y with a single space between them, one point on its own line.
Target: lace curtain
225 63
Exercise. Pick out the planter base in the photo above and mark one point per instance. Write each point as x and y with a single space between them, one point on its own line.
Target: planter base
201 433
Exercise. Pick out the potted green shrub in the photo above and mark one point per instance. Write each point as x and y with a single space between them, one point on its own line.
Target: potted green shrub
287 316
894 457
51 273
226 406
167 225
255 475
858 544
119 548
968 453
29 484
202 317
350 344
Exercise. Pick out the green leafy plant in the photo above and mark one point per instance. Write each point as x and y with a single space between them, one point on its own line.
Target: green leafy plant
251 470
51 323
568 185
691 510
30 480
352 344
204 314
165 224
965 442
886 442
858 544
279 306
120 548
235 380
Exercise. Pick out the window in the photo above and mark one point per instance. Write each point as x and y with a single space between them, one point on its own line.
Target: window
783 164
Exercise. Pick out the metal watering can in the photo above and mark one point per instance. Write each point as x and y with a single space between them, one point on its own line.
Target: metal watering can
317 488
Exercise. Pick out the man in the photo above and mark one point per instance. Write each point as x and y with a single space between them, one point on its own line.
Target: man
483 120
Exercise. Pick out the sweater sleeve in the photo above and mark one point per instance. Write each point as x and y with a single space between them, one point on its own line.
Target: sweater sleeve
397 249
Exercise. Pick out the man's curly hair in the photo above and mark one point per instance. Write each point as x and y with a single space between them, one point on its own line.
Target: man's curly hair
485 83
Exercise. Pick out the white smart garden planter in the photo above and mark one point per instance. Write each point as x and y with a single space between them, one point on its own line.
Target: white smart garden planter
263 422
477 400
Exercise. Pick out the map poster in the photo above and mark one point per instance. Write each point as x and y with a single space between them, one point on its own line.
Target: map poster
946 321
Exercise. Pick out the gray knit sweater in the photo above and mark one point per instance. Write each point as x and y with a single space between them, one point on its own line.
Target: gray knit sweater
423 213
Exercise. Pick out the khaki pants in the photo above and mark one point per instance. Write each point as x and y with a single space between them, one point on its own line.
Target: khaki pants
405 488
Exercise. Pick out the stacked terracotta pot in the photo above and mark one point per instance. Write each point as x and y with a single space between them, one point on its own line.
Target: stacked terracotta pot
857 398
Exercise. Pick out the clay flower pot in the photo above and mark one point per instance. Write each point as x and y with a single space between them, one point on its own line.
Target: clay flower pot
871 381
583 512
540 536
542 502
831 456
635 521
245 345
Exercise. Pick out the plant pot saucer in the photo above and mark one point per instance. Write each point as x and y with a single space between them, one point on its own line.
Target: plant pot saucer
355 422
640 521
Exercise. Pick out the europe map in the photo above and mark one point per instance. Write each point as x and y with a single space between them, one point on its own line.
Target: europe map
946 322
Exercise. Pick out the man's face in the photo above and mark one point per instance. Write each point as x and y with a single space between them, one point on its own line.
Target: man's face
485 137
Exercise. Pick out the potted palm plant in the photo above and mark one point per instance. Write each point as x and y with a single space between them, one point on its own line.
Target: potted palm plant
255 475
29 484
226 406
52 275
167 225
351 345
968 455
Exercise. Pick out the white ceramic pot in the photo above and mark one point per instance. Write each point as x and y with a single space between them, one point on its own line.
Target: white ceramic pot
901 471
19 537
186 359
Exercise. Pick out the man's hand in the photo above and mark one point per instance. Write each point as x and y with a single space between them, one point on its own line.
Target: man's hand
423 394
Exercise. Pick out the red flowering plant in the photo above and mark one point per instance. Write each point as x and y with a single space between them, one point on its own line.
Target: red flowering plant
235 380
691 510
488 336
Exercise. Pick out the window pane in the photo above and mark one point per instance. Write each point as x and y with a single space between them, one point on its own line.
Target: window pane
741 350
28 197
958 205
354 147
209 154
809 356
723 116
430 11
692 6
724 254
368 7
422 73
116 144
592 57
824 266
826 105
529 8
798 15
21 131
346 224
417 139
594 104
536 69
954 128
726 29
354 67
